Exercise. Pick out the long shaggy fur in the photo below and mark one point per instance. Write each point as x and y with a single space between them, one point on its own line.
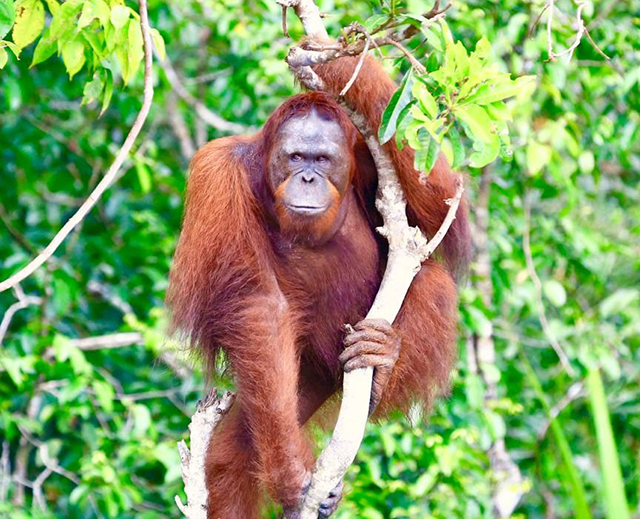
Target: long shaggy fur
278 309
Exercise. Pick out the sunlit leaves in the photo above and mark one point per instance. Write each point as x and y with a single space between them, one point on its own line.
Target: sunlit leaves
73 56
400 99
29 22
158 42
464 96
103 37
45 49
119 16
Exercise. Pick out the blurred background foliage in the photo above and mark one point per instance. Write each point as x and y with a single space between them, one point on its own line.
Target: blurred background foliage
550 328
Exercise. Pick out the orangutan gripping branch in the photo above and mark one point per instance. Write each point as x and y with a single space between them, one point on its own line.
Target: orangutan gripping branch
278 252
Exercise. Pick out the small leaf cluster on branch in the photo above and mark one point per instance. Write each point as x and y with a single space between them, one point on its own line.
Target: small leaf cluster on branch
463 96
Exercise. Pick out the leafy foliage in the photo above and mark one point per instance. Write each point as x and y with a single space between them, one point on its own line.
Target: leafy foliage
110 417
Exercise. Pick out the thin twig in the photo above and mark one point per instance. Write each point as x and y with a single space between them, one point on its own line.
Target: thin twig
437 238
419 67
580 33
108 178
551 6
576 390
356 72
536 21
209 117
108 342
17 235
285 30
593 44
312 53
23 301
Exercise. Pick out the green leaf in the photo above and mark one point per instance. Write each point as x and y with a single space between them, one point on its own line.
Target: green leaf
62 295
119 16
53 6
158 41
490 93
478 126
7 17
108 91
375 21
29 22
88 15
426 101
64 22
615 500
495 424
45 48
538 156
474 390
400 99
483 48
104 394
92 89
4 56
433 40
136 51
144 176
122 53
457 147
477 122
73 56
14 48
555 292
102 12
484 153
404 119
432 62
586 161
427 153
459 61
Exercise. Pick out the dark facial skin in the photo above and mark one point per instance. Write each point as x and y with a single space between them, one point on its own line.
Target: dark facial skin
311 155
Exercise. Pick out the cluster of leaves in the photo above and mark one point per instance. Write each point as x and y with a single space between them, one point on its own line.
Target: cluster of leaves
463 96
111 417
103 35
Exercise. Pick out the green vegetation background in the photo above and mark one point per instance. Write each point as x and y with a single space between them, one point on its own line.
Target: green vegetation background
111 417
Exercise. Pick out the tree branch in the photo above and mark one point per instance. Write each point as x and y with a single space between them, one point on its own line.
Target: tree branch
108 342
110 175
208 413
408 248
201 110
23 301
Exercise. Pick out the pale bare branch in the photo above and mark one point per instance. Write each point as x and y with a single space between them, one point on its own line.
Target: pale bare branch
208 116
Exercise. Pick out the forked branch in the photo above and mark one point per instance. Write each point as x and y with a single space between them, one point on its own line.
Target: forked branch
408 248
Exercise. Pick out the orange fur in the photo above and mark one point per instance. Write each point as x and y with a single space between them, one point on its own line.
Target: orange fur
277 307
